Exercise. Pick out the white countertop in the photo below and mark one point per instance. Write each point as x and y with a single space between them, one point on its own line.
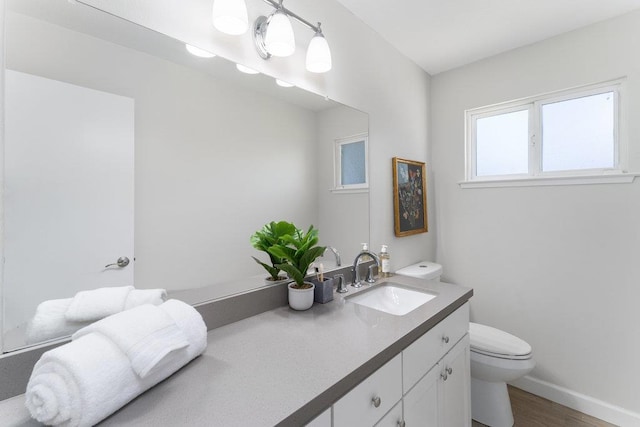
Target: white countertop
279 367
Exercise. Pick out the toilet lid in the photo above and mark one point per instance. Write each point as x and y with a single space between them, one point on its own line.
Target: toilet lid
494 342
423 270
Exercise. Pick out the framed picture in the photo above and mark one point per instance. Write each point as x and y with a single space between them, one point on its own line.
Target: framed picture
409 197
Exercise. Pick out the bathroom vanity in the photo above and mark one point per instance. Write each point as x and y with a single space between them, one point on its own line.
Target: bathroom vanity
427 384
340 364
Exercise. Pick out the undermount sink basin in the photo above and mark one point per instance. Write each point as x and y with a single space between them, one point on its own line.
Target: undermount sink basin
392 298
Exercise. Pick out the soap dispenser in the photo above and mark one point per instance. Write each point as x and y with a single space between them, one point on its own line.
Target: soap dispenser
385 262
365 248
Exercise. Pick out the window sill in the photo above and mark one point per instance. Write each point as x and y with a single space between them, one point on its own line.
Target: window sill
623 178
348 190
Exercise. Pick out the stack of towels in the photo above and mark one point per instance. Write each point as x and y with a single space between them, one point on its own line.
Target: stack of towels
62 317
110 362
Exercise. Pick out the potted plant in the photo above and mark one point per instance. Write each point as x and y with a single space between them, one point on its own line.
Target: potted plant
298 250
265 238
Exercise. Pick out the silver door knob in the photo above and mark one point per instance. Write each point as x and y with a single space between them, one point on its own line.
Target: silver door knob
376 401
123 261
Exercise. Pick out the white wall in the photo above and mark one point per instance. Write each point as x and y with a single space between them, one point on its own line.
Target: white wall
556 266
343 217
368 74
202 185
2 66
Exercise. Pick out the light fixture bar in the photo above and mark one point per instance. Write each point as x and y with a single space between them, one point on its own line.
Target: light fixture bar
301 20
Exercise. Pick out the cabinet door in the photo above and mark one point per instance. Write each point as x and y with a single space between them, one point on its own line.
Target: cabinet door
454 386
421 402
393 418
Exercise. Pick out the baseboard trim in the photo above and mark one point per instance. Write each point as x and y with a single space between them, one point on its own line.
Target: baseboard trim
580 402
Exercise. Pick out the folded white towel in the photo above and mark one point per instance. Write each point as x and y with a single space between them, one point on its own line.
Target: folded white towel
84 381
190 323
145 296
50 322
146 334
97 303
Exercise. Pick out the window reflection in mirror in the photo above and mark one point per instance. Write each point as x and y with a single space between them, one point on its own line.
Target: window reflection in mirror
351 163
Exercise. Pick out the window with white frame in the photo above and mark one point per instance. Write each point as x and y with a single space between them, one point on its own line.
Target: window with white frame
567 134
351 163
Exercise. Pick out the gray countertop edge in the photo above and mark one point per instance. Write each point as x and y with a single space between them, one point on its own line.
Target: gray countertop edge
323 401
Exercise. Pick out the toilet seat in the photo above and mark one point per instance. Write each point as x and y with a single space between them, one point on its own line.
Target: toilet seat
496 343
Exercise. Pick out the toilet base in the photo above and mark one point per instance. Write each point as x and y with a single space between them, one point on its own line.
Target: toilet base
490 403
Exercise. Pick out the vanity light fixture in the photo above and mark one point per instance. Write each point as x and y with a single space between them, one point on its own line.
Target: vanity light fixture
246 70
318 53
273 35
230 16
277 33
196 51
283 83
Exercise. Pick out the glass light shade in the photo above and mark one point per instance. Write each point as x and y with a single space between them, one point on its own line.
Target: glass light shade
283 83
246 70
318 55
196 51
230 16
279 39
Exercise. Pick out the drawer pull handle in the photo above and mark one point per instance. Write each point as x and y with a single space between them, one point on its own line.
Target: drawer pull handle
401 423
445 339
444 375
449 370
376 401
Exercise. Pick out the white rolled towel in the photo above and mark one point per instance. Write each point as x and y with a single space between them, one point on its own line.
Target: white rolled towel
62 317
96 304
146 334
145 296
50 322
86 380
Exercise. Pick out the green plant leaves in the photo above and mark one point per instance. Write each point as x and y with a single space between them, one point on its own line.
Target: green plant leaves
299 250
272 270
271 234
293 273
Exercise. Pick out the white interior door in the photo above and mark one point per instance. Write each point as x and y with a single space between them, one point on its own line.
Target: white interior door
68 201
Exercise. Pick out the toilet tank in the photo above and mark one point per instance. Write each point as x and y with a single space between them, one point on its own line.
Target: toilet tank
423 270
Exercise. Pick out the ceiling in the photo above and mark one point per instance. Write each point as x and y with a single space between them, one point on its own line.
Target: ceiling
440 35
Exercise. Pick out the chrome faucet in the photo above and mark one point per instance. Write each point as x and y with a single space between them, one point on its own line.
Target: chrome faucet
357 283
335 253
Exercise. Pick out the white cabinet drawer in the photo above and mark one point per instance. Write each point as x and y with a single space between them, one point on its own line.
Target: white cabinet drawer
425 352
357 407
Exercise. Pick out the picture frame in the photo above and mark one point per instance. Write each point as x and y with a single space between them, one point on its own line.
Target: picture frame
409 197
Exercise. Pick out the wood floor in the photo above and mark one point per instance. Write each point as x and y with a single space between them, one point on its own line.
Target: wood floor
533 411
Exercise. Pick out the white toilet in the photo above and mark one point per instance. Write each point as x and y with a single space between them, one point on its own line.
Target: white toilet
496 358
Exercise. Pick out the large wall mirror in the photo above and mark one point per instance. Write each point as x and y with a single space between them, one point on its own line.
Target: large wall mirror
120 144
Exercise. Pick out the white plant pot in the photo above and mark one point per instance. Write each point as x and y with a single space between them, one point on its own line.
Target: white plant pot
301 299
